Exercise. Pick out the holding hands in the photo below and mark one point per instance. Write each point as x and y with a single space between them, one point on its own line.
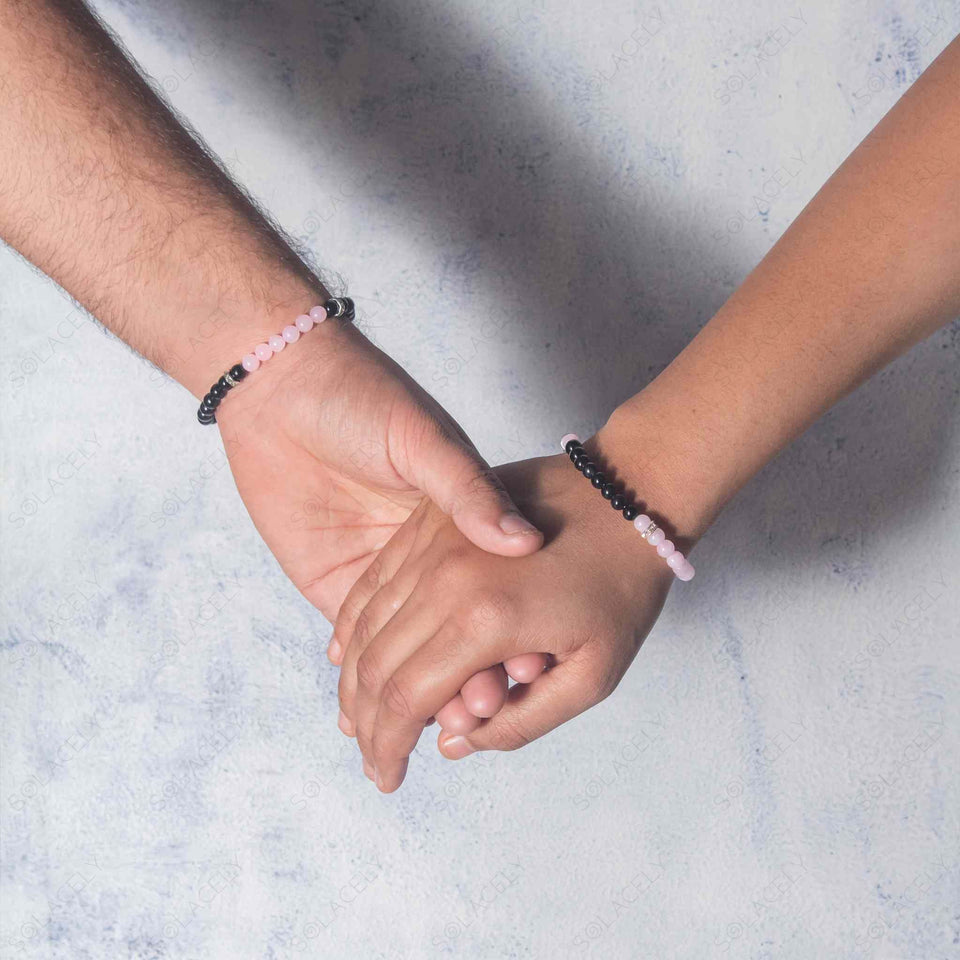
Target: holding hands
433 611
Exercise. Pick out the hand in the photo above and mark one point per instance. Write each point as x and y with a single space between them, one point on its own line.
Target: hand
435 611
332 446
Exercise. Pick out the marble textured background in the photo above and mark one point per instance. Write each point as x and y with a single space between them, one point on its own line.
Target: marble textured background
776 777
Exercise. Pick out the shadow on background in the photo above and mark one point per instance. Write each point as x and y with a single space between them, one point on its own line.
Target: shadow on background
568 229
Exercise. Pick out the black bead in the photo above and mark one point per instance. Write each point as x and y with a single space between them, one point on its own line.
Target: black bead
571 444
598 480
630 511
225 383
237 371
210 403
206 417
580 460
607 491
589 469
217 391
618 502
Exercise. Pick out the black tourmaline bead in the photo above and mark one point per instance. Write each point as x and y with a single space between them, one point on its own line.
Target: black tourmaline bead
598 480
607 491
580 459
590 470
209 403
225 383
618 502
630 512
237 371
206 418
217 391
571 444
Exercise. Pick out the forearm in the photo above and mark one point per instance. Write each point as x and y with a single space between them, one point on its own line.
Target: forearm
105 191
869 268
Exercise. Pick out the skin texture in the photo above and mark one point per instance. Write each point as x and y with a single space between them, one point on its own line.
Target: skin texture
870 267
331 443
443 612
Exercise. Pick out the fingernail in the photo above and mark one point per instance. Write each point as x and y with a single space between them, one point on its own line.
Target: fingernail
343 722
379 782
368 769
334 651
513 524
456 748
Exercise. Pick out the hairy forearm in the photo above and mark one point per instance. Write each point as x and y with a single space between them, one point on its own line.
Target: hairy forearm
104 190
869 268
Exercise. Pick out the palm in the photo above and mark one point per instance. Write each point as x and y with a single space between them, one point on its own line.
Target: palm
319 476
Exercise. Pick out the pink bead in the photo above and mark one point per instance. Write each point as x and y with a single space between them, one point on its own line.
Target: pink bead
642 522
565 439
656 538
665 548
676 560
290 333
686 571
304 322
318 314
250 362
276 343
263 352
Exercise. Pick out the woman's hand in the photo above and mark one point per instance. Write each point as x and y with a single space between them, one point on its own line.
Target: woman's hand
332 446
434 610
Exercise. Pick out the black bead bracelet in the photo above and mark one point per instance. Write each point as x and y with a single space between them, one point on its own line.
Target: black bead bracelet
650 531
339 308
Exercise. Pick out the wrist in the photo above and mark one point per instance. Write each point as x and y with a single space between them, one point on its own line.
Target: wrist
210 338
654 456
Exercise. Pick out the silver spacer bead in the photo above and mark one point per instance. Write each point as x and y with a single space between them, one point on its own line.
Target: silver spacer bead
646 533
230 379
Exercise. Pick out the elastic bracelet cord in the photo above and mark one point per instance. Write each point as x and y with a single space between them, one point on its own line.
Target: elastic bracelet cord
338 308
678 563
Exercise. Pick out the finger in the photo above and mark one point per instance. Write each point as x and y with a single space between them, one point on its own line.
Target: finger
526 667
456 718
424 683
413 626
462 485
532 710
485 692
382 607
380 572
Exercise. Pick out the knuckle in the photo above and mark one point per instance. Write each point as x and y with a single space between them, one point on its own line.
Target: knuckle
479 484
507 733
363 628
397 700
489 611
369 673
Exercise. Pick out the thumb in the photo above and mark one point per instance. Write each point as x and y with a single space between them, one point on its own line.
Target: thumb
458 480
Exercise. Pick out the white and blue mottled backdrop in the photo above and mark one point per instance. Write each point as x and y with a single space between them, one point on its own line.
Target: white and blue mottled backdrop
776 777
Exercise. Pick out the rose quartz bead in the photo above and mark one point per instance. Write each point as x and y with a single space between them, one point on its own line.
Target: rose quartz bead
318 314
290 333
304 322
656 538
565 439
642 522
276 343
686 571
665 548
676 560
250 362
263 352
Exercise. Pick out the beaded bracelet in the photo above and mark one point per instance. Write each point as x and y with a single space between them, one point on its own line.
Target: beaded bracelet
678 563
340 308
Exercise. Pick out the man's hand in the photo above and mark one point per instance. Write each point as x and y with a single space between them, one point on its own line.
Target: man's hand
332 446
